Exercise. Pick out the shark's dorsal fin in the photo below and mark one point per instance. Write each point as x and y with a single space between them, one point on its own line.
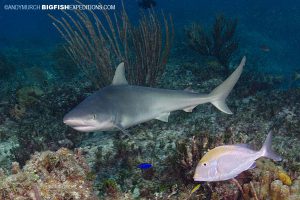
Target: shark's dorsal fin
163 117
119 78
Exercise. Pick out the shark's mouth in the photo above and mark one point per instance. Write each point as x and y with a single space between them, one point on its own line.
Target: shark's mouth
78 125
84 128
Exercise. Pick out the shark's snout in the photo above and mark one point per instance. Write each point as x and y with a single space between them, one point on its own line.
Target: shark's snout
78 123
68 120
73 121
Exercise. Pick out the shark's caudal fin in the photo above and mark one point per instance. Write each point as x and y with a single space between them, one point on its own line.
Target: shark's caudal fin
266 150
220 93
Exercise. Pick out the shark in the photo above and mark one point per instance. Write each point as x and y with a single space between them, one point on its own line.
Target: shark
121 105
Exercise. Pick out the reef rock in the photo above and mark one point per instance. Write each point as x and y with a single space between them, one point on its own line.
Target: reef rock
49 175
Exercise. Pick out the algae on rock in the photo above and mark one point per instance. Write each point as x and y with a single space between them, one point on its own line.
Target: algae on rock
49 175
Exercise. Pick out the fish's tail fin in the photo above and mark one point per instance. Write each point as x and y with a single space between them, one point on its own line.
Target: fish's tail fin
220 93
266 150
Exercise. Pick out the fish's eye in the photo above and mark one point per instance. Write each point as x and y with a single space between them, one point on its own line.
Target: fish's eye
204 164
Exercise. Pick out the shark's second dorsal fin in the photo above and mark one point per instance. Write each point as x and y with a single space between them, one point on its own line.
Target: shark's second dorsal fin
189 89
119 78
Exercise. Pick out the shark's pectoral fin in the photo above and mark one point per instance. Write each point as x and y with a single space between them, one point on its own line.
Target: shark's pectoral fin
189 109
119 78
122 129
163 117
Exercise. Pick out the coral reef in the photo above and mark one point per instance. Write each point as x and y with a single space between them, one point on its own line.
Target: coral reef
37 75
49 175
220 42
186 157
173 148
5 152
28 95
17 111
8 134
33 131
272 181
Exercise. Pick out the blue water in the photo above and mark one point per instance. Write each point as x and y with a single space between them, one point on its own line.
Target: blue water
271 23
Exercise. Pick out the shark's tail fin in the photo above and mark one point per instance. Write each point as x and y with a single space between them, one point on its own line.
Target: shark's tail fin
220 93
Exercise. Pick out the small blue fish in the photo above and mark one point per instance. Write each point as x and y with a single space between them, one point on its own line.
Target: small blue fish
144 166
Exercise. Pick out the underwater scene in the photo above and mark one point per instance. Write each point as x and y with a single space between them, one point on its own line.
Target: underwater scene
150 100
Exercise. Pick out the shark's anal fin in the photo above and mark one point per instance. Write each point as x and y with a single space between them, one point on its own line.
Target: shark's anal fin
163 117
189 109
119 78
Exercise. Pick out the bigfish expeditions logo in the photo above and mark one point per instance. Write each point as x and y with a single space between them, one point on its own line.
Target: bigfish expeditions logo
59 7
